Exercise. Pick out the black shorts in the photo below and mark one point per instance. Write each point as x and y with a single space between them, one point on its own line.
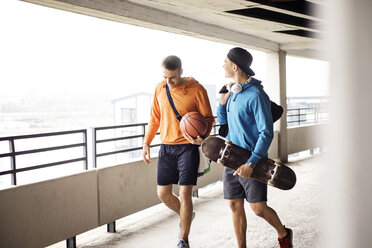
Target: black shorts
235 187
178 164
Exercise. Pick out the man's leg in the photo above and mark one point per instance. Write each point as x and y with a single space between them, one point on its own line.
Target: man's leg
239 220
166 195
262 210
186 210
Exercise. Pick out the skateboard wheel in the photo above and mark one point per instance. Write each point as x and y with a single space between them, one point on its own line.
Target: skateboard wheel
270 183
277 163
221 152
220 161
228 142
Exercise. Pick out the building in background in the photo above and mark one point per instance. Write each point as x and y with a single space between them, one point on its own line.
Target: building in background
134 108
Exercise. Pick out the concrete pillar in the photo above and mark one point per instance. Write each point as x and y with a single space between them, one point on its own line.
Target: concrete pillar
349 201
277 90
272 83
283 140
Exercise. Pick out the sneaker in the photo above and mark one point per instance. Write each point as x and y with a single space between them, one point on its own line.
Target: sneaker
286 242
179 225
183 244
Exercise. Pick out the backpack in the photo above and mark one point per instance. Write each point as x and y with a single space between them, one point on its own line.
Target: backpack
276 112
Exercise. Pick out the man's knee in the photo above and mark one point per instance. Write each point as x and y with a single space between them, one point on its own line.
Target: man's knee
236 205
259 208
164 193
185 194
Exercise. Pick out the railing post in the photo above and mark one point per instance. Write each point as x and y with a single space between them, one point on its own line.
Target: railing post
71 242
195 193
111 227
85 149
13 165
94 147
299 116
144 132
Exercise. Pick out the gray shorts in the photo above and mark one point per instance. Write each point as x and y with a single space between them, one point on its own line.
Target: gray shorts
235 187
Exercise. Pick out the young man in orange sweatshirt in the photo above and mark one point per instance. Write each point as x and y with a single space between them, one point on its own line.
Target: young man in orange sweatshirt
178 156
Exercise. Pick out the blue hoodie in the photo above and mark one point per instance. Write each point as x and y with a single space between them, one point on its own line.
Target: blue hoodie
248 115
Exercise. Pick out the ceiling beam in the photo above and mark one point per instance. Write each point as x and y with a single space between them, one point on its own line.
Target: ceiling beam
136 14
308 53
312 49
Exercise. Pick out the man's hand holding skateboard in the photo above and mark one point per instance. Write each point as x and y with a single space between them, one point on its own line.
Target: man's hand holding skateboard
244 170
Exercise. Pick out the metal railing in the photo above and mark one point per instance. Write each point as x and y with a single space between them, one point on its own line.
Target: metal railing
295 116
96 140
118 137
306 116
13 153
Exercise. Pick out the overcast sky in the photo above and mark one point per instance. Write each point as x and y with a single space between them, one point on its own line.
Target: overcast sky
48 51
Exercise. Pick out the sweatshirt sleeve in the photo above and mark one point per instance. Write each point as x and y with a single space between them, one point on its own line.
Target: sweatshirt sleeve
221 114
204 108
154 122
262 113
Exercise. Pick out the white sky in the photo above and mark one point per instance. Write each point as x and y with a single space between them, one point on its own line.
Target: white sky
48 51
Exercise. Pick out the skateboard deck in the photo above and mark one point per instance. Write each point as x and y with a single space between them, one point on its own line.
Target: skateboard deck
267 171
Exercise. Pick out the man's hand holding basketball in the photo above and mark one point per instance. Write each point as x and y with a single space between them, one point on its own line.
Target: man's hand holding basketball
146 153
193 141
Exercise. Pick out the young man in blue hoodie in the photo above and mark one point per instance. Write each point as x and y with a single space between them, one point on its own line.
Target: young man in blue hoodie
246 109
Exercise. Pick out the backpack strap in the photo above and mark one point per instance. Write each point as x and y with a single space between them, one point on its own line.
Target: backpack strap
178 116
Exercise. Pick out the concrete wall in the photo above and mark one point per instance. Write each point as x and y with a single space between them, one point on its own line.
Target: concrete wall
305 138
129 188
126 189
44 213
40 214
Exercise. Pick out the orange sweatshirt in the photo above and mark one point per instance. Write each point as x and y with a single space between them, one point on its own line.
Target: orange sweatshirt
187 97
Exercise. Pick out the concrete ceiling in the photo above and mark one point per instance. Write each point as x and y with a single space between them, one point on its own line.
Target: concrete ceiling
294 26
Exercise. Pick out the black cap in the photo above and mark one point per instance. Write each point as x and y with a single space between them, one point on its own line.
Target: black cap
241 58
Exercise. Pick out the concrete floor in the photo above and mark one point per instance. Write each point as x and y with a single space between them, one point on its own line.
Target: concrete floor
299 209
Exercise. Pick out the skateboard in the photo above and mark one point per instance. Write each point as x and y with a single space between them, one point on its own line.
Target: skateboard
267 171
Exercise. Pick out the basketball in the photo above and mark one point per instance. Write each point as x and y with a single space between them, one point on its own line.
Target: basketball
194 124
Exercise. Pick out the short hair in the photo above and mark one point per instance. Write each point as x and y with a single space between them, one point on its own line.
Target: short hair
172 63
